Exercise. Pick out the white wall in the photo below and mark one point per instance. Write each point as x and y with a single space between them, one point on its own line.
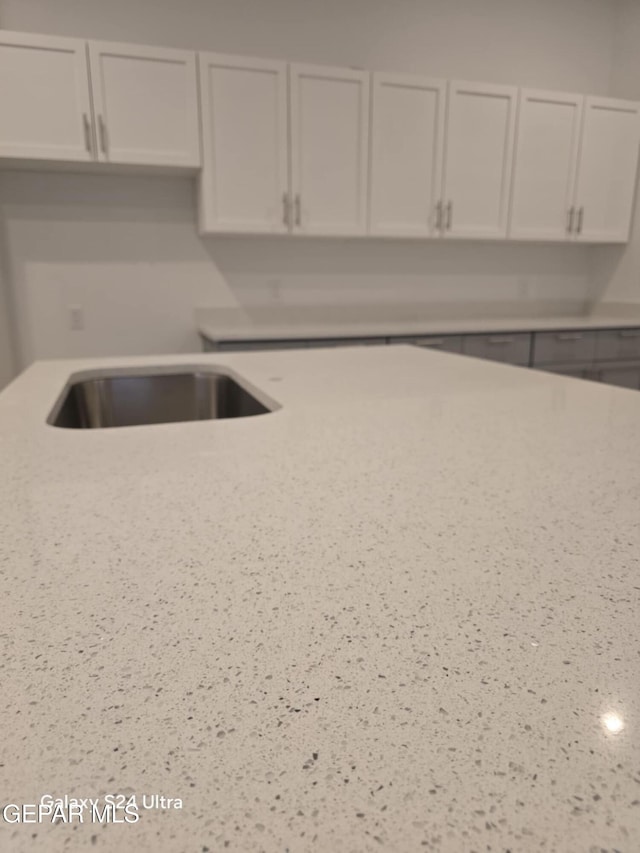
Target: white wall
616 271
126 248
562 44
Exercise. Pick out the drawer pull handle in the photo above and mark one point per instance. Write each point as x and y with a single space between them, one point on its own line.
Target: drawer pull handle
632 333
568 336
507 340
436 342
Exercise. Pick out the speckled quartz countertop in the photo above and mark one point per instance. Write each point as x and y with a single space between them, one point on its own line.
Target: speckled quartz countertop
302 322
399 613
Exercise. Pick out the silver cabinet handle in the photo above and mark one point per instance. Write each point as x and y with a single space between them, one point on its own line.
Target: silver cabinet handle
86 124
580 221
569 336
630 333
449 215
103 135
570 215
438 215
286 209
507 339
298 207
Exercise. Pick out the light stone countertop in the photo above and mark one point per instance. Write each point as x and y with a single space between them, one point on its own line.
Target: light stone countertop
303 322
392 615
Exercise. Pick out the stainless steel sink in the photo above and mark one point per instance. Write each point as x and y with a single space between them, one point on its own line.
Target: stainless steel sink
131 399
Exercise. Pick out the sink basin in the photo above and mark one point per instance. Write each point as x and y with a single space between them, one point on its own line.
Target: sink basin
130 399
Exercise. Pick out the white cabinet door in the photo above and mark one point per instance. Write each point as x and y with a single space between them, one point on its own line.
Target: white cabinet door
45 107
546 158
146 104
607 170
329 110
407 135
244 184
478 159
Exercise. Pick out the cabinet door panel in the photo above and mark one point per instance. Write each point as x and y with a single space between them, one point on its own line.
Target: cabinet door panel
510 349
623 377
329 136
146 107
545 165
564 347
478 159
244 181
607 169
406 154
618 344
45 108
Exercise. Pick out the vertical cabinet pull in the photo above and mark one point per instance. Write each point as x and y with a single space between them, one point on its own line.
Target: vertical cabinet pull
439 216
298 207
570 216
449 215
87 133
103 135
286 210
580 221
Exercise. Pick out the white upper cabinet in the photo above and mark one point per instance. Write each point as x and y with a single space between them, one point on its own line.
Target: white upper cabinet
329 114
146 105
45 107
607 171
244 184
290 148
547 145
478 159
407 143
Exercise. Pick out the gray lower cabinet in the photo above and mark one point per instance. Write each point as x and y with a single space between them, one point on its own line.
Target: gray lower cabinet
253 346
564 347
446 343
574 370
623 377
618 344
510 349
611 356
345 342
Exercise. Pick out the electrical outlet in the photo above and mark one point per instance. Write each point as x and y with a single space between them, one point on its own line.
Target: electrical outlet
76 318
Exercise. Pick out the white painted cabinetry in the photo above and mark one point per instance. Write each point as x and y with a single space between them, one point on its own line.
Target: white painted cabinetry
244 183
607 168
478 160
547 147
407 146
576 162
66 99
315 150
145 102
329 114
45 105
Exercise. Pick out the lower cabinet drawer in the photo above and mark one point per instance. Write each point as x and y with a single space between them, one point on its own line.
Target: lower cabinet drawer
345 342
510 349
245 346
623 377
617 344
446 343
563 347
573 370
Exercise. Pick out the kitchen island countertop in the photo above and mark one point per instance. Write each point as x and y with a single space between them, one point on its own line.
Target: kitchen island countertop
398 613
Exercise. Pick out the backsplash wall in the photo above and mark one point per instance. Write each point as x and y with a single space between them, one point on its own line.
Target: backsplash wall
125 250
